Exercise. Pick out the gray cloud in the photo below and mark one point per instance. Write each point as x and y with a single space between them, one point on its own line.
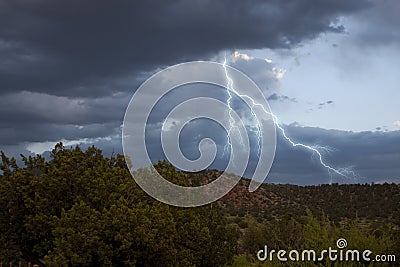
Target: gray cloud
68 69
81 48
35 132
277 97
324 104
63 63
37 117
42 108
372 155
377 25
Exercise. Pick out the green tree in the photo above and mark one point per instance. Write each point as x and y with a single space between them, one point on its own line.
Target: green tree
83 209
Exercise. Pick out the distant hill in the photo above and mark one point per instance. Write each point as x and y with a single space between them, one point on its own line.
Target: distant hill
340 202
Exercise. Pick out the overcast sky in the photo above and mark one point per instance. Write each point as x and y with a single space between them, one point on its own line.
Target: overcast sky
328 68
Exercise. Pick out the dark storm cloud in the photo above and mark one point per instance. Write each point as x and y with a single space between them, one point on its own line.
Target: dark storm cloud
40 108
37 117
371 154
68 69
378 25
35 132
79 48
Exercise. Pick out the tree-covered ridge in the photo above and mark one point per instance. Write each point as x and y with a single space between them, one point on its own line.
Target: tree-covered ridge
340 202
376 202
81 208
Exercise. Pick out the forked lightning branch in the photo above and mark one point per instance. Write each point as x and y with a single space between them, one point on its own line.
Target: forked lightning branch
314 149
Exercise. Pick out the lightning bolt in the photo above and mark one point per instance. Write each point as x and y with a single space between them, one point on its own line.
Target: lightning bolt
316 149
232 123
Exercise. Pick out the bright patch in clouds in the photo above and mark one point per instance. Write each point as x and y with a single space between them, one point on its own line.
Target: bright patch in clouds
244 56
279 73
397 124
41 147
238 55
268 60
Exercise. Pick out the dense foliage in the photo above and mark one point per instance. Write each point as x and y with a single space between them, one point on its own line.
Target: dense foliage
81 208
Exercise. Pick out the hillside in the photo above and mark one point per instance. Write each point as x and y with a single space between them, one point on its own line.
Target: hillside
375 202
81 208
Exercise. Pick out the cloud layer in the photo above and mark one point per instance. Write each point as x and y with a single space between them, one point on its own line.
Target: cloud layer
80 48
69 68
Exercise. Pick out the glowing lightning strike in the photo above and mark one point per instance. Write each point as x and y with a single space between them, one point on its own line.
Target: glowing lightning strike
344 172
231 119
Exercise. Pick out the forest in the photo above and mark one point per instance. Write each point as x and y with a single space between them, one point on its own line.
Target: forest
81 208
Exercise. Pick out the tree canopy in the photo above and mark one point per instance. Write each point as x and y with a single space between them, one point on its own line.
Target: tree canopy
81 208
